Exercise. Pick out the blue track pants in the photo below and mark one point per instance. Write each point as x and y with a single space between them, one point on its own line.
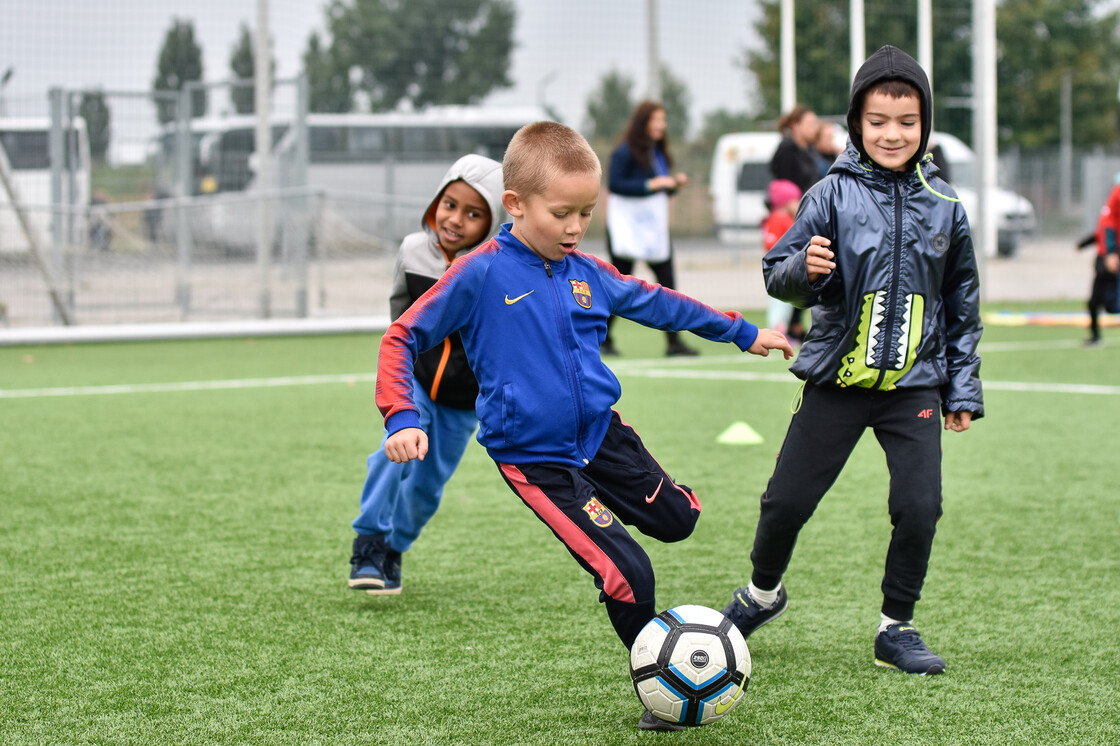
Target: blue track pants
398 500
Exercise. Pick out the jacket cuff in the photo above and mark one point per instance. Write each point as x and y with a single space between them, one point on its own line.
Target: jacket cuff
746 336
402 420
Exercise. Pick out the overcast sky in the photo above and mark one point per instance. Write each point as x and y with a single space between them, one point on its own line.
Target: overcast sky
562 48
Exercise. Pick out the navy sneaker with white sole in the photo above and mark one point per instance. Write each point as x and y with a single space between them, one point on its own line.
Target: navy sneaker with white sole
899 646
748 615
392 570
367 562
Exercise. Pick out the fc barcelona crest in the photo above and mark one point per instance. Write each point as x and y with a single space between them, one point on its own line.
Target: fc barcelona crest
581 291
600 516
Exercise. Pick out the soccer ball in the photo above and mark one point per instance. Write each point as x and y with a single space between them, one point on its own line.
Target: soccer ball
690 665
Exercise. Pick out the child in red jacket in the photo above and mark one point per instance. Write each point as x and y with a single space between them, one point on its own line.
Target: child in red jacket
782 197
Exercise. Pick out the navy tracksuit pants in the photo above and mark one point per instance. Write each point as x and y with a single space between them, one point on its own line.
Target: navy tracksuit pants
586 509
821 437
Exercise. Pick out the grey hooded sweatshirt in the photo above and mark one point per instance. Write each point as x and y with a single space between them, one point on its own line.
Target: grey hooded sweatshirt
443 371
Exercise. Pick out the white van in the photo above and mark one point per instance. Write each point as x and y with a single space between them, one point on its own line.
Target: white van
1015 215
26 143
741 171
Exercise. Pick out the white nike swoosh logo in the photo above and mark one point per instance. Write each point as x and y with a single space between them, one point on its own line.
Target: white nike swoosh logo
653 497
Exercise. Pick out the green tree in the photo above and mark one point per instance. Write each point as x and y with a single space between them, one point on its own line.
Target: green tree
243 64
422 52
676 100
328 82
609 107
1038 42
823 74
180 62
95 111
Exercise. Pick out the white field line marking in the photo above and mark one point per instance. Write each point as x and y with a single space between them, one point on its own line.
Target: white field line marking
149 388
647 368
735 375
1065 344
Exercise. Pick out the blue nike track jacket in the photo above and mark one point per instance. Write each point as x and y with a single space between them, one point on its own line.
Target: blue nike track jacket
531 329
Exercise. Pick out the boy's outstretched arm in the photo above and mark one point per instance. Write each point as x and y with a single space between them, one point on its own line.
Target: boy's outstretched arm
407 444
767 340
958 422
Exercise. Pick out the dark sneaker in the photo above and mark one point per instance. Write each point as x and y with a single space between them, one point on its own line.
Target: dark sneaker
1092 342
748 615
650 721
680 349
899 646
392 569
367 562
607 349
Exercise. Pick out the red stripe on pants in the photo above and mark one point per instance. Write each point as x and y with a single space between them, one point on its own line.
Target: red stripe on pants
614 584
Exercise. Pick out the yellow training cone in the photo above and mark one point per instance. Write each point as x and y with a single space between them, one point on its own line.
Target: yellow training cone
739 434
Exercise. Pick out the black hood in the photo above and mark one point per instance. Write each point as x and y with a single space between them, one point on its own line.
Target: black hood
890 63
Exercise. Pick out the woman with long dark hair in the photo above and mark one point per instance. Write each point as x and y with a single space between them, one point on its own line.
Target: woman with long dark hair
796 160
640 180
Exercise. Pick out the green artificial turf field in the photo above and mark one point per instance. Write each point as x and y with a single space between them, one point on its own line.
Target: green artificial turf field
174 545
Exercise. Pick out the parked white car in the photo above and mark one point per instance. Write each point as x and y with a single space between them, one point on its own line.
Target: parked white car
741 171
739 175
1015 214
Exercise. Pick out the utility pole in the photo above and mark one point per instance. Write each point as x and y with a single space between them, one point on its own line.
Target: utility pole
654 61
984 129
857 38
262 84
788 63
925 38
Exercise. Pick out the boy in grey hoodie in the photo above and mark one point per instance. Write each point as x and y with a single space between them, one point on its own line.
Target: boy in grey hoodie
399 499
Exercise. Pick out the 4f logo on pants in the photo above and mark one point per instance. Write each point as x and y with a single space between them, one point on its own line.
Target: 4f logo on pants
925 414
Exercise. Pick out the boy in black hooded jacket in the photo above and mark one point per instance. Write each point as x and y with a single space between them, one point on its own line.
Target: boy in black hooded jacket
881 253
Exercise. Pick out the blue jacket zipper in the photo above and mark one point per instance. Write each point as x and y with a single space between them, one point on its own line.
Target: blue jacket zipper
572 375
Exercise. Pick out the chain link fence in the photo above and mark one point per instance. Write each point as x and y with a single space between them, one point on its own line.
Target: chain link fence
156 215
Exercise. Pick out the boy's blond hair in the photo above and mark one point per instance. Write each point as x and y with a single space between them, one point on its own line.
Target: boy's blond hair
541 151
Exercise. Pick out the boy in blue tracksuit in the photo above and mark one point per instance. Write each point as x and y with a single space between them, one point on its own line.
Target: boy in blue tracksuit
881 252
532 312
399 499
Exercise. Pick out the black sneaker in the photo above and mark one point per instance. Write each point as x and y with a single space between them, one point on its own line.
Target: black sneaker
367 562
392 568
899 646
748 615
680 349
650 721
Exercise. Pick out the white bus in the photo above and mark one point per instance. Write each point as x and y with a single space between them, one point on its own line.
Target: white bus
374 169
26 144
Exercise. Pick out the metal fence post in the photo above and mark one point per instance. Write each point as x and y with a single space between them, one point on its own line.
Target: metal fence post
302 200
57 148
185 169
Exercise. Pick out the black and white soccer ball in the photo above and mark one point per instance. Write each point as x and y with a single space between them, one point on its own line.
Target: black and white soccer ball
690 665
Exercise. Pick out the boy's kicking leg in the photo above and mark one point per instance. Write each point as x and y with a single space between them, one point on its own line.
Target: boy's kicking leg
569 505
586 508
